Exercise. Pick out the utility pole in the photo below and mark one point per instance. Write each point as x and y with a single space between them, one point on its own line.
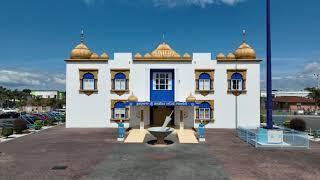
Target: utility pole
269 73
317 76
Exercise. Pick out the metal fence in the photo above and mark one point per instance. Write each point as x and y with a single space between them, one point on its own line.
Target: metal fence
291 138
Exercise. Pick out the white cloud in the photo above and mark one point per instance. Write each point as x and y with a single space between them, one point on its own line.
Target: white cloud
33 80
201 3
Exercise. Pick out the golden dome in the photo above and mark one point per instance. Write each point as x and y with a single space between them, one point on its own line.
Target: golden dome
104 56
147 56
164 51
231 56
186 56
94 56
81 51
190 98
245 52
132 98
221 56
138 56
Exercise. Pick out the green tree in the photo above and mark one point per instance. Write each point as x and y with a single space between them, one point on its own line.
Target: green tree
314 94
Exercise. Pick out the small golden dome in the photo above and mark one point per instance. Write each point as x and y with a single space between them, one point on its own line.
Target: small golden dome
221 56
186 56
190 98
94 56
81 51
132 98
104 56
147 56
138 56
231 56
245 51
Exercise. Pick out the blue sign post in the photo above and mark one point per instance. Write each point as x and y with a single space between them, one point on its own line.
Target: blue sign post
201 131
120 131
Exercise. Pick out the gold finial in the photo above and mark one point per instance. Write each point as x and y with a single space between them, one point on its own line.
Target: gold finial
244 35
163 38
82 36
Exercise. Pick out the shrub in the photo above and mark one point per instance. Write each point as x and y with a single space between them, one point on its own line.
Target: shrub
19 125
7 131
298 124
262 118
37 125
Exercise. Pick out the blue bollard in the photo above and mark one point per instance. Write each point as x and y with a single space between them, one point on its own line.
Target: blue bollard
120 131
201 131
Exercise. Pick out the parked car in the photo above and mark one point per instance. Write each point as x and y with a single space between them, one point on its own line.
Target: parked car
8 110
6 123
8 115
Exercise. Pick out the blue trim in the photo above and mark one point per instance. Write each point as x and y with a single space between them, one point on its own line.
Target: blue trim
204 105
236 76
88 76
162 95
119 105
204 76
159 103
120 76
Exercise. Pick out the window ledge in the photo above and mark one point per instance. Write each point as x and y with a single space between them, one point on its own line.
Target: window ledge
205 91
88 92
115 119
120 91
237 91
206 121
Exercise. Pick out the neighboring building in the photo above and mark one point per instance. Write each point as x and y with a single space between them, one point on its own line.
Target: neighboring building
286 93
48 94
294 104
35 109
142 90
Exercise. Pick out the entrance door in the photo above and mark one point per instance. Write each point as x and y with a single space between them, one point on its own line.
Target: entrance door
159 115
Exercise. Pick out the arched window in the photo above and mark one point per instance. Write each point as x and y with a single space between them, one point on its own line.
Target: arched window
119 110
88 82
204 111
120 81
204 82
236 82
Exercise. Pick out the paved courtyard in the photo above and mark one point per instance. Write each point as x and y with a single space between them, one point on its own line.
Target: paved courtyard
94 154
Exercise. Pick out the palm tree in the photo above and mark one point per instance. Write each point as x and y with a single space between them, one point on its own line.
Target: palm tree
315 95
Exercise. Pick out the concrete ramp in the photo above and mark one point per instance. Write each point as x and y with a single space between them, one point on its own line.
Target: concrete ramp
187 136
136 136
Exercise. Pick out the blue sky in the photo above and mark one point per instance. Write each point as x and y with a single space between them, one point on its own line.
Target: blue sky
37 35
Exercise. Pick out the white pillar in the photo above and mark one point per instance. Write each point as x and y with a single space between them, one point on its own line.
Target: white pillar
141 120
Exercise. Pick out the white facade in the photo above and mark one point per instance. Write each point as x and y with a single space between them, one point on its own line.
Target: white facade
94 109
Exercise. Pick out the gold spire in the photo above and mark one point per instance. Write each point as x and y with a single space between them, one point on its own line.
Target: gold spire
138 56
104 56
81 51
132 98
231 56
245 51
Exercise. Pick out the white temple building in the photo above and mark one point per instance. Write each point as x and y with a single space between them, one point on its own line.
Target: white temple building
142 89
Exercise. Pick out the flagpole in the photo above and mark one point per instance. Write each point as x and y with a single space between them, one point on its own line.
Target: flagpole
269 73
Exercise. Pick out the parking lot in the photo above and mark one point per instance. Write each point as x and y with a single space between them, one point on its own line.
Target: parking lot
60 153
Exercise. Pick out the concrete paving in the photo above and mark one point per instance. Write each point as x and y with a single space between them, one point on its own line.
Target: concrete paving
95 154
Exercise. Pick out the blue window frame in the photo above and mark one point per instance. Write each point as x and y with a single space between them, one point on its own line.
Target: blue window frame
204 111
119 111
120 81
236 82
204 83
88 82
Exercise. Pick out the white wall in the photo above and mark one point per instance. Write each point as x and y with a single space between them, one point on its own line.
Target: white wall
94 110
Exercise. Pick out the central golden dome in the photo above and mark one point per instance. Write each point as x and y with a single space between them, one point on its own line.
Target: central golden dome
164 51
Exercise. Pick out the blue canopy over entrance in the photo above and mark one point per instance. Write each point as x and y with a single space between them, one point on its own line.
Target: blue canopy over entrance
162 103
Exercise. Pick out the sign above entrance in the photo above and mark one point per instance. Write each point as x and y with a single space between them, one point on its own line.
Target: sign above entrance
161 103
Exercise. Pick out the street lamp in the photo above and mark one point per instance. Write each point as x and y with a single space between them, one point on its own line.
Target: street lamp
317 76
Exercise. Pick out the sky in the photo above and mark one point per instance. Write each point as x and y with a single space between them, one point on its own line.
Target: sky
37 35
